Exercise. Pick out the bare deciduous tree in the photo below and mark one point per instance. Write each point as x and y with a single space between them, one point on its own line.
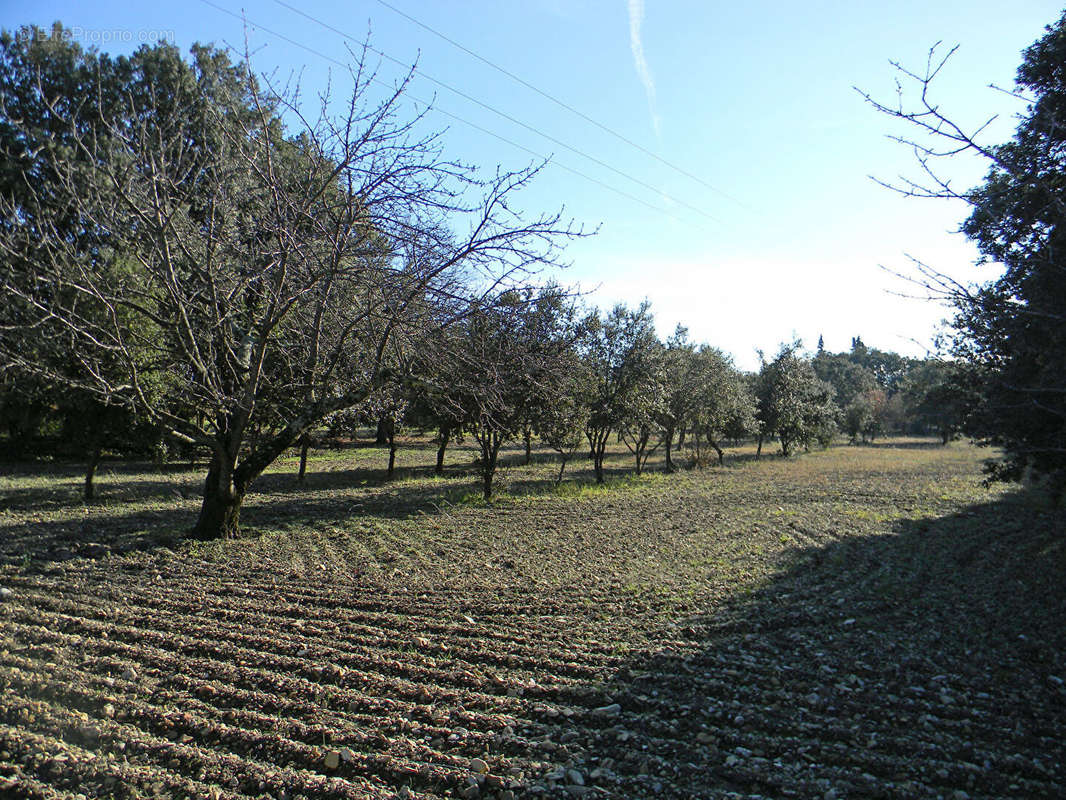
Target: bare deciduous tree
234 279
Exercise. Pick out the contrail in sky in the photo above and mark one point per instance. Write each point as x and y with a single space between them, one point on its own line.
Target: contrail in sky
636 17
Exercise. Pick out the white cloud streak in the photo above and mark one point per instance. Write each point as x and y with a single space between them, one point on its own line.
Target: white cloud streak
636 44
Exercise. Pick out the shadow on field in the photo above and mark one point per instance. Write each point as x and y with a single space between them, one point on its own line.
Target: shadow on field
62 482
906 444
142 507
925 662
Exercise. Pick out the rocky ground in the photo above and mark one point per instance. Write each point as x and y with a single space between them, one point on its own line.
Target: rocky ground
865 622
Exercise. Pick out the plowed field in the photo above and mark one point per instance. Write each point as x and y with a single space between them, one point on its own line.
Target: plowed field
862 622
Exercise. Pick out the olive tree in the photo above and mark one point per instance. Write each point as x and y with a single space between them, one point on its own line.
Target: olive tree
722 403
793 403
624 390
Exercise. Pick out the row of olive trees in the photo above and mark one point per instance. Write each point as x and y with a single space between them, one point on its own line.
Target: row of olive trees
529 363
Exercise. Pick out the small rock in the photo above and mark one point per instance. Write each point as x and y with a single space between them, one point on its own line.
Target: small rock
470 792
468 619
130 674
575 777
89 733
5 593
95 550
613 710
109 711
404 793
959 794
577 791
347 755
333 759
479 766
507 794
849 621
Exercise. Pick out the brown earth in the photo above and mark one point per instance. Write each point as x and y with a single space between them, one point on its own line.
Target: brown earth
864 622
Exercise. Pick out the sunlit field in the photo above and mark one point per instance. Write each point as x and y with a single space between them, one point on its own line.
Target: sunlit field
863 621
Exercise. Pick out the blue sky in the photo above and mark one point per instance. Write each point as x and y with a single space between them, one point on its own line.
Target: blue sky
755 99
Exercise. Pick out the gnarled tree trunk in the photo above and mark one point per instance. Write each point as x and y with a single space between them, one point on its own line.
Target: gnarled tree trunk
445 436
220 511
305 444
390 435
89 493
718 450
597 448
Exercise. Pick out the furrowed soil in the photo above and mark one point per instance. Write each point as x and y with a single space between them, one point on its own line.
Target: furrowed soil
859 622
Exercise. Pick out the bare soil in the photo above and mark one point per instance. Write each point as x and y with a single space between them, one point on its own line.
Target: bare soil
861 622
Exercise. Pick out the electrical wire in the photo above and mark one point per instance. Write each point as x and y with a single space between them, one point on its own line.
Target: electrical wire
499 113
518 79
540 156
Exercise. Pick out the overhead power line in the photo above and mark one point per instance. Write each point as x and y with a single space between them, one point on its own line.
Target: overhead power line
562 104
498 112
540 156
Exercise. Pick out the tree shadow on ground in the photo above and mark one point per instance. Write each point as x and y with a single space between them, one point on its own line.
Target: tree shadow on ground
142 508
906 444
926 662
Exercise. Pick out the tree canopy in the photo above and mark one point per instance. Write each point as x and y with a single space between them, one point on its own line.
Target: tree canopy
1011 331
174 248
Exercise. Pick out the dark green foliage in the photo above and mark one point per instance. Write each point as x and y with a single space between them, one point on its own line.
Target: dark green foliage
625 389
794 404
1013 331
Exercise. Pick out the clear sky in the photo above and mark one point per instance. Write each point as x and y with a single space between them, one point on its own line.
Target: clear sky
755 99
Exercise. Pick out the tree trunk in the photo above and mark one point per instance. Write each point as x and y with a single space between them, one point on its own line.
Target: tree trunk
392 452
562 468
305 444
529 446
718 450
758 450
490 449
681 437
382 435
89 493
445 435
597 458
669 438
221 508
